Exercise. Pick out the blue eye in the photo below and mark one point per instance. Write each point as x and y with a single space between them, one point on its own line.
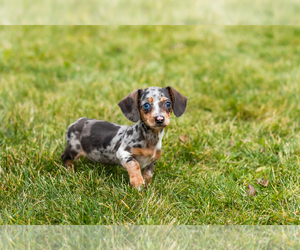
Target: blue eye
168 104
146 106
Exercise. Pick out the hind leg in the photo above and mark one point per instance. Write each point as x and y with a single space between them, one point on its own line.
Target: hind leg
73 150
70 155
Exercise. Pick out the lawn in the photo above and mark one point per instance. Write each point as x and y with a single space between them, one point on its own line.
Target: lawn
132 12
241 125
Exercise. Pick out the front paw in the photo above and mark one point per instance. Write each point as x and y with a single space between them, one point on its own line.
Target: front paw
137 182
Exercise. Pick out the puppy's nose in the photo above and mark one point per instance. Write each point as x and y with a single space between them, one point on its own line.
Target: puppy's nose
159 119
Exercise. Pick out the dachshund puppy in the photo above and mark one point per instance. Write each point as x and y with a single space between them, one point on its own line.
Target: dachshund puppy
135 147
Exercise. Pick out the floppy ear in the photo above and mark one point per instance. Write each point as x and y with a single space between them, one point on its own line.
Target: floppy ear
179 101
129 106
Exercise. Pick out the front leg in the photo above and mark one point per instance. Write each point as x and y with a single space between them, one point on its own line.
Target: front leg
133 169
148 173
134 172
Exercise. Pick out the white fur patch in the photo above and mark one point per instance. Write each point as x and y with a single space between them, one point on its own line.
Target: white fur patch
122 154
159 144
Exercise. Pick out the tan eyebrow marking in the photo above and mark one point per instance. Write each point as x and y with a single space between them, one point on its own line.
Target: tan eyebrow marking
150 99
163 99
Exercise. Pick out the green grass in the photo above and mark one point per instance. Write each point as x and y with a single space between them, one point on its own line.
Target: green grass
150 237
242 122
143 12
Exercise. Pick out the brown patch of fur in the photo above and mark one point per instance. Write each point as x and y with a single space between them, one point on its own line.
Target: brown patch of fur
150 99
69 164
163 99
134 172
166 114
147 176
148 173
148 118
157 155
82 153
146 152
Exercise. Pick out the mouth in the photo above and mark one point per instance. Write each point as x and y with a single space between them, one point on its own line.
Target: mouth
159 126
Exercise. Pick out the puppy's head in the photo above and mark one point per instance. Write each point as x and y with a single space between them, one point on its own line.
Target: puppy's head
153 105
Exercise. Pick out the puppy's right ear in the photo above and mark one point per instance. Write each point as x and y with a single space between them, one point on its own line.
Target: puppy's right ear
129 106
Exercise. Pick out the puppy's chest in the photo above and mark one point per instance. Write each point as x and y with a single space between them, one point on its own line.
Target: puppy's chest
147 158
148 154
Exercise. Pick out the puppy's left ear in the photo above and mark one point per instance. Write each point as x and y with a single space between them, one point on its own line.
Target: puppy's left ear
129 106
179 101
